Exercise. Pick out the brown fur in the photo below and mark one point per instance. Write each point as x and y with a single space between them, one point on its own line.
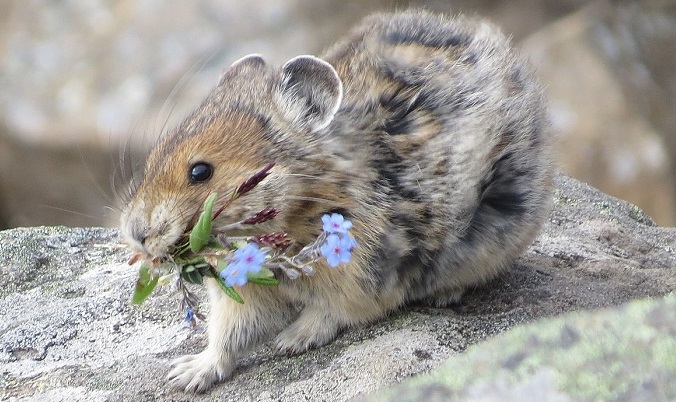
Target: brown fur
428 133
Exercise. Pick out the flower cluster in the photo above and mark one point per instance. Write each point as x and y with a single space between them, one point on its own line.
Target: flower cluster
339 243
238 261
247 259
337 248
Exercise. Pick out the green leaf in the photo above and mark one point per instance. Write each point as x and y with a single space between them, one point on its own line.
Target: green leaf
144 285
227 289
230 291
264 281
200 234
192 276
263 273
205 271
263 277
239 244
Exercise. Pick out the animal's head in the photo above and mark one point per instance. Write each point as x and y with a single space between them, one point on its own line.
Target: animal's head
257 115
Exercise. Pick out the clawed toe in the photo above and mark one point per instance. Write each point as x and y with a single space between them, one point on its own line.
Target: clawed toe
197 373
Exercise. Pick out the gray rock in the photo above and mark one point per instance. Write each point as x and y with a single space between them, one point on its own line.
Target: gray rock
68 331
623 354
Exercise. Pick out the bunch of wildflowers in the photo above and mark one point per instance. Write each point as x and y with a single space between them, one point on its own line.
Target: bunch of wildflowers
238 261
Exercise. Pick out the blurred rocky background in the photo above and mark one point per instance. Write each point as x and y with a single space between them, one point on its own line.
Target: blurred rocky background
87 86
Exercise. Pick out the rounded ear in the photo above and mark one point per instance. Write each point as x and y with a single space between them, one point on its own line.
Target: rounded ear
310 92
246 64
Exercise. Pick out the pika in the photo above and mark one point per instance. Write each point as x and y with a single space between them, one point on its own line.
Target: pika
428 132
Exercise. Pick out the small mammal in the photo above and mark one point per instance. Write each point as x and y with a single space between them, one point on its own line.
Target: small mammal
429 133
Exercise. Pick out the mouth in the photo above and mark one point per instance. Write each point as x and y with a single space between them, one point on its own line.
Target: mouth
154 259
138 256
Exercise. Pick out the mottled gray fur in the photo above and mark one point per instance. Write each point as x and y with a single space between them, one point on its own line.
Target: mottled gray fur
429 133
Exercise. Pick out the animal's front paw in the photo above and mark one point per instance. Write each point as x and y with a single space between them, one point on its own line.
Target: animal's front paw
304 334
198 373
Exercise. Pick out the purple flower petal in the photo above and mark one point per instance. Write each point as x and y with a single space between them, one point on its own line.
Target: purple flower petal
244 260
337 249
335 223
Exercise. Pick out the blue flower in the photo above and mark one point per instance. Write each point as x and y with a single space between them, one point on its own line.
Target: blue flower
189 315
247 259
337 249
335 223
190 318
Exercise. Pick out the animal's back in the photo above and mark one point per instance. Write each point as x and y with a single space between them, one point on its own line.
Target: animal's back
456 132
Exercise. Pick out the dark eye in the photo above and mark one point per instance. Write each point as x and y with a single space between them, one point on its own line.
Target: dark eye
200 172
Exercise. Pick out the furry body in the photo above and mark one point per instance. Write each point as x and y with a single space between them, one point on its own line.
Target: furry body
428 133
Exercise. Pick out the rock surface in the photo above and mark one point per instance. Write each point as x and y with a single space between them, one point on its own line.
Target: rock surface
625 354
69 333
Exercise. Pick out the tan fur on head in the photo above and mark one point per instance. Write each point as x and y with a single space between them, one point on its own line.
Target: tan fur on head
170 203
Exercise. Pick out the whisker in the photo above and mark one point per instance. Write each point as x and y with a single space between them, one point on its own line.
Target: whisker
122 159
111 209
129 171
315 199
126 171
163 130
301 175
106 196
198 65
70 211
327 178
